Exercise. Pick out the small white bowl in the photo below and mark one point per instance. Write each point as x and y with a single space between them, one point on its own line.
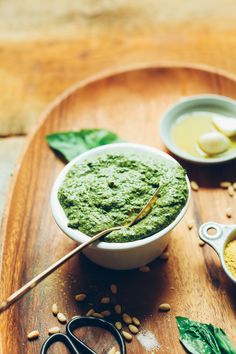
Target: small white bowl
207 103
223 235
126 255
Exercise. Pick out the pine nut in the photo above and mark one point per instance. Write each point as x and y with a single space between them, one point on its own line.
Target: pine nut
127 336
61 317
106 313
118 325
97 314
114 289
126 318
133 329
164 256
105 300
190 224
90 312
231 191
33 335
144 269
54 330
164 307
194 186
112 351
135 321
201 243
228 212
80 297
225 184
118 309
55 309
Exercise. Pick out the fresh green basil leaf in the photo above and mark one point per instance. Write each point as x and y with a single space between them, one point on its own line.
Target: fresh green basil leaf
72 143
223 340
201 338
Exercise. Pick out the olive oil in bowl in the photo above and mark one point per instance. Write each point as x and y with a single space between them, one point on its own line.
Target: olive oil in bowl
187 129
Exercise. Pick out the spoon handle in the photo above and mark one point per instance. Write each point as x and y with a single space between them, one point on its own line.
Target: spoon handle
33 282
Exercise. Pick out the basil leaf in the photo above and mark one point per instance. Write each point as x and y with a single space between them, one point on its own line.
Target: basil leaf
72 143
201 338
223 340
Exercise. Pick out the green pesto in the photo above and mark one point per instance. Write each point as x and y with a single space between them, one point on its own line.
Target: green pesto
112 189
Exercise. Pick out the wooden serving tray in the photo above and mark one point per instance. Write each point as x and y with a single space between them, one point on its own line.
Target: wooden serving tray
191 281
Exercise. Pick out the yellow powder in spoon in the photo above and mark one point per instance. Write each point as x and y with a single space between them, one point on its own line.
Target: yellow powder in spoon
230 257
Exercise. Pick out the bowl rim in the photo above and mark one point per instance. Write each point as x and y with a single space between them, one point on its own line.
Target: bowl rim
80 237
227 240
224 234
181 153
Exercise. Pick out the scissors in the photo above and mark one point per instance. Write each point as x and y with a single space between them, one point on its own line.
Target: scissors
77 346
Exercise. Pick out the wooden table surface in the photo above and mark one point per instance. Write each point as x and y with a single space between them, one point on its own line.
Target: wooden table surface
45 48
51 47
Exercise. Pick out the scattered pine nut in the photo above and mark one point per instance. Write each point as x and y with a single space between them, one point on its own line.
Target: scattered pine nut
118 309
112 351
225 184
54 330
201 243
231 191
3 305
80 297
114 288
126 318
194 186
234 186
55 309
144 269
105 300
133 329
164 307
90 312
76 316
190 224
118 325
33 335
135 321
127 336
106 313
164 256
97 314
228 212
61 317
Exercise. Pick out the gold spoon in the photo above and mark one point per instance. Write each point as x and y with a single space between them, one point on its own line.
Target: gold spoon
32 283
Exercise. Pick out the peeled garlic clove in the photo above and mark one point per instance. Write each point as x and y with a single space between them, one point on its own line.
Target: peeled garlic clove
226 125
213 143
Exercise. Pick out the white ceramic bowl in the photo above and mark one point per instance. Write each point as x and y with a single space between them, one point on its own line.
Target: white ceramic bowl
127 255
207 103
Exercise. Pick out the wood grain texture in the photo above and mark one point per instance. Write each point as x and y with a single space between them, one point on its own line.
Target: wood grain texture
53 45
8 163
130 104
